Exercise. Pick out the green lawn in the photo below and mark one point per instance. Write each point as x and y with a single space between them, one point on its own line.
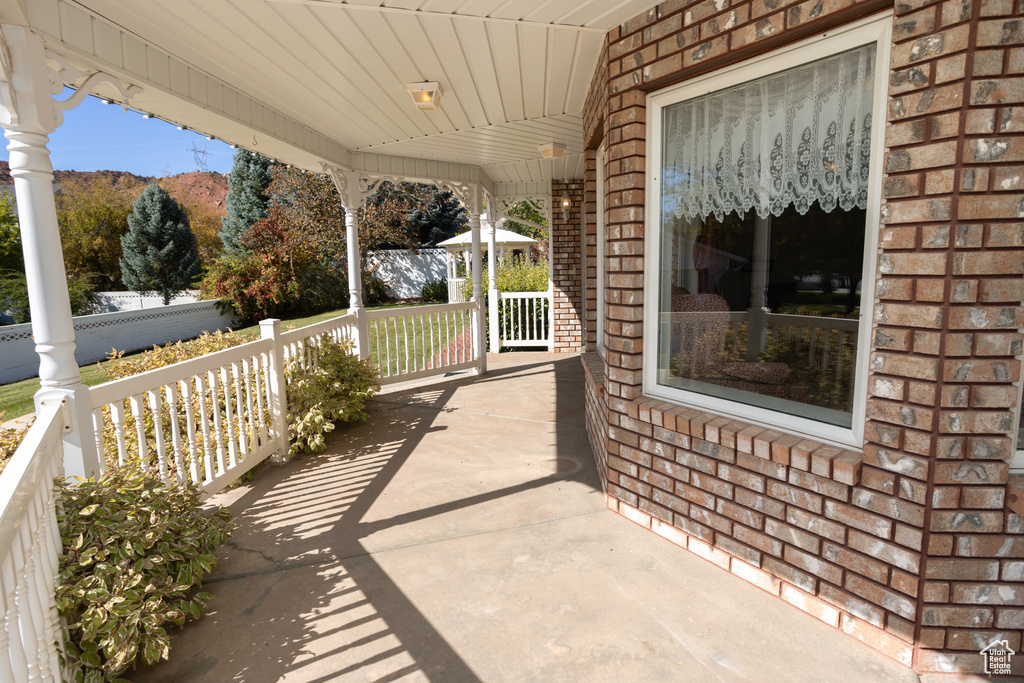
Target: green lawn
16 398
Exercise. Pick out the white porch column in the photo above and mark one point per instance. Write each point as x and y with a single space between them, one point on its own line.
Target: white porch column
492 282
28 114
479 332
353 197
551 275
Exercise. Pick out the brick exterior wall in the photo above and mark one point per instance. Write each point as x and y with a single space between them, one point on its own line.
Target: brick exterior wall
915 545
597 412
590 251
567 268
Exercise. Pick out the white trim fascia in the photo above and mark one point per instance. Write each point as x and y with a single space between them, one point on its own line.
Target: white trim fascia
876 29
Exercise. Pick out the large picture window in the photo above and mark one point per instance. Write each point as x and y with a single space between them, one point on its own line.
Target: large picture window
763 207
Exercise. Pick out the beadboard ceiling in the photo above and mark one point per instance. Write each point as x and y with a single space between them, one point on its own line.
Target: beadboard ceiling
514 73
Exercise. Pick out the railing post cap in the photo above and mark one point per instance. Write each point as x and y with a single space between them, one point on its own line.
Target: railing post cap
271 327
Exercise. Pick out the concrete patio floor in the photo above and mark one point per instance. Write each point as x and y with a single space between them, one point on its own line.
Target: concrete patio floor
461 535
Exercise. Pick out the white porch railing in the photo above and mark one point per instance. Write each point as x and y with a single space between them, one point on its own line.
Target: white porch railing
524 319
411 343
301 343
29 547
831 342
207 421
455 290
213 418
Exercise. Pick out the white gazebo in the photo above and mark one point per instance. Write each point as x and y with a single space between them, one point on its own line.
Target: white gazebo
461 246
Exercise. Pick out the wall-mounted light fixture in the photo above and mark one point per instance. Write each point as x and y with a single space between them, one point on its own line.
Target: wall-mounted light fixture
426 95
551 150
147 116
566 205
182 127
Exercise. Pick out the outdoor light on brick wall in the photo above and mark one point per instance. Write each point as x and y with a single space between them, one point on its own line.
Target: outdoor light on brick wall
425 95
566 205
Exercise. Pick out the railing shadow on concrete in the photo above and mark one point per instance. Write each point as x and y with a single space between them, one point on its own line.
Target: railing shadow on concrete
300 596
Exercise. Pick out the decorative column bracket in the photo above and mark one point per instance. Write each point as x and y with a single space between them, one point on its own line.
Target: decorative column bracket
65 73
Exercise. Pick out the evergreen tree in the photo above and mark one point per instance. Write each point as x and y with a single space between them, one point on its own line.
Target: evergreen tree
437 218
159 252
248 200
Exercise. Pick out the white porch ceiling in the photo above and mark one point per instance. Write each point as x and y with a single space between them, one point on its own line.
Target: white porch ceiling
514 73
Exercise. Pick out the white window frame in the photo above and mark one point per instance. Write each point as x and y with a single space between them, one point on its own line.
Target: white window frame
600 237
877 30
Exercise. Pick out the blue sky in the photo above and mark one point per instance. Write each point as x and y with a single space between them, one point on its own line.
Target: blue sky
97 137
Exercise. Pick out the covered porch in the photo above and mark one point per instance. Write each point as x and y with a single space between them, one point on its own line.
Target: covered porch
413 549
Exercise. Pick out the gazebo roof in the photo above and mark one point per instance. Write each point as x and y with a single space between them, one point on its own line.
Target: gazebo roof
502 238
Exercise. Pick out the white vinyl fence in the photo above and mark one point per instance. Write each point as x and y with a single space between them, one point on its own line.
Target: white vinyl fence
114 302
404 273
96 335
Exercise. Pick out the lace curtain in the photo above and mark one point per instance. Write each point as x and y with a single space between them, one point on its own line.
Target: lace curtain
796 137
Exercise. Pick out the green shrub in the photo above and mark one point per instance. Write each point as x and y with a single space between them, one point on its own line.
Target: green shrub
334 388
435 290
376 291
116 367
10 439
514 275
134 548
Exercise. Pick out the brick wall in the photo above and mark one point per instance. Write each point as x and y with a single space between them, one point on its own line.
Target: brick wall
597 412
914 545
590 251
948 343
567 267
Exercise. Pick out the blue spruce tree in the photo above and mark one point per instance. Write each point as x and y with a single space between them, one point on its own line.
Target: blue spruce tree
159 251
248 200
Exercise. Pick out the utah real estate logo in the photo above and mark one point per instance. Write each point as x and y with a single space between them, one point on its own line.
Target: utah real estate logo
997 657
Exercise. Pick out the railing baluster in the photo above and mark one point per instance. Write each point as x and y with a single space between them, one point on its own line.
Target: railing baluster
405 339
26 620
229 418
430 325
252 436
209 449
97 429
235 372
172 407
39 592
12 613
260 365
187 397
138 412
117 418
218 427
155 405
387 343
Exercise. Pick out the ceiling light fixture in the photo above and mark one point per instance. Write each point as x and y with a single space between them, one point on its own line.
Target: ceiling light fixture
551 150
147 116
425 95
